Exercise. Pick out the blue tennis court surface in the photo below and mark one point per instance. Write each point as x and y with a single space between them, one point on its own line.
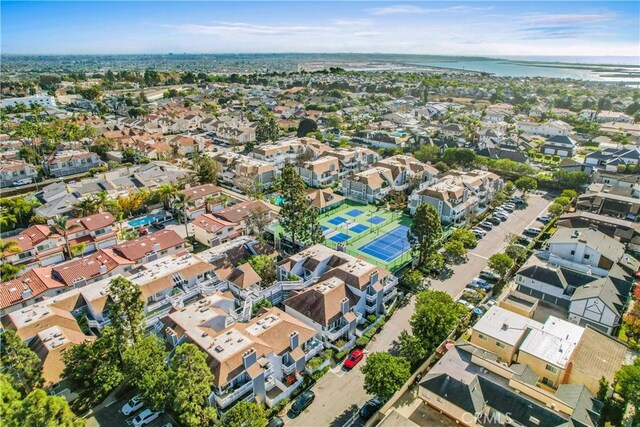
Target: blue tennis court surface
339 238
324 227
389 246
359 228
337 220
354 212
377 220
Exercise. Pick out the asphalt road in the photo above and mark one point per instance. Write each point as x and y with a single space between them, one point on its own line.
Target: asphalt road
339 394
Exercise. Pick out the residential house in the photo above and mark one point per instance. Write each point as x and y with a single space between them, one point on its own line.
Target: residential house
324 199
212 231
14 172
323 172
95 231
549 129
204 198
613 159
70 162
559 145
243 172
148 248
618 201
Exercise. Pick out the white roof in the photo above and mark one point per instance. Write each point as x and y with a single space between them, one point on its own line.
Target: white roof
554 343
504 325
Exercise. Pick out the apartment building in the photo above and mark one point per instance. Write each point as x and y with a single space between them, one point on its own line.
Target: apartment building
323 172
280 153
40 245
584 272
548 129
70 162
16 172
95 231
324 199
458 195
243 172
204 198
261 359
371 289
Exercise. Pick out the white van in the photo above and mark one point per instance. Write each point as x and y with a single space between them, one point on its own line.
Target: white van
24 181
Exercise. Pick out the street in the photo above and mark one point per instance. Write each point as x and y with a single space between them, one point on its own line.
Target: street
340 395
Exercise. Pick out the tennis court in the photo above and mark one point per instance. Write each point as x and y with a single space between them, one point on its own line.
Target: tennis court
389 246
337 220
358 228
339 237
354 213
376 220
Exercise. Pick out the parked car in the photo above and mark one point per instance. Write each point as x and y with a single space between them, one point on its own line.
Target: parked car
494 220
481 284
159 226
23 181
145 417
508 208
354 358
486 225
370 408
276 422
501 215
466 303
489 274
479 230
132 405
544 218
531 231
302 402
478 233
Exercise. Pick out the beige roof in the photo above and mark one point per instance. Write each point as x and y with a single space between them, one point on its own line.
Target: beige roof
244 276
598 355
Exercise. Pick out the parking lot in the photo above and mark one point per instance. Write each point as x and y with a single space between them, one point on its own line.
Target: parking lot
110 415
494 241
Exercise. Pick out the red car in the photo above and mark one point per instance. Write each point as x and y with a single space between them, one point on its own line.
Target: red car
354 358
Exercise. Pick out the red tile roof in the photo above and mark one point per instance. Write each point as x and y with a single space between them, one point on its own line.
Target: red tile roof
89 267
91 222
201 191
134 250
37 280
210 223
241 211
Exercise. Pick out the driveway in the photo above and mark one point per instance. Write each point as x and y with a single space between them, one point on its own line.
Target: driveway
339 395
110 415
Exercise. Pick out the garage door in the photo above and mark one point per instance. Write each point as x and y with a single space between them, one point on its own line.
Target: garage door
563 153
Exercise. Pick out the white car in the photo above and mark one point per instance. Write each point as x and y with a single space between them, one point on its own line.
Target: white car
466 304
145 417
133 405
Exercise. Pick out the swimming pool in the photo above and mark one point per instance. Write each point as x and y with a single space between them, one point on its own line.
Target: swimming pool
141 222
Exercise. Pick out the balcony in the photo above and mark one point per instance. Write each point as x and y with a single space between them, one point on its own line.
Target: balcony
335 333
350 343
389 296
313 348
229 396
288 367
269 383
280 392
372 298
370 309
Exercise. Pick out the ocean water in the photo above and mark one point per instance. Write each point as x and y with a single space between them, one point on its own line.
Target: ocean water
578 68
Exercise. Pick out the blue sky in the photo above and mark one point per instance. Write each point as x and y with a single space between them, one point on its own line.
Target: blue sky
495 28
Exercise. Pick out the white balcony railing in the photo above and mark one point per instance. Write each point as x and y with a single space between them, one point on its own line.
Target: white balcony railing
288 369
370 308
313 350
372 298
334 334
270 383
389 296
226 399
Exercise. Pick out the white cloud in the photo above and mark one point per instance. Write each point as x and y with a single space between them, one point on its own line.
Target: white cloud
576 18
234 28
396 10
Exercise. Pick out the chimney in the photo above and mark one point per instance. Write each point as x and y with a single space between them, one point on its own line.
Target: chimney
156 247
344 305
373 278
249 358
103 269
26 293
293 340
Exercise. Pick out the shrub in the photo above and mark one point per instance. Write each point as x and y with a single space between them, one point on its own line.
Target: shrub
338 356
363 341
371 318
315 362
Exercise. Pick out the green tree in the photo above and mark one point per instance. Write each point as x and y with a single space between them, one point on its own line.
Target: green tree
459 156
572 180
509 187
411 280
411 348
244 414
267 128
265 266
181 203
500 263
563 201
37 409
297 218
93 368
428 153
435 261
166 193
454 250
144 368
435 315
556 209
316 234
63 226
258 305
570 194
425 231
515 252
21 365
628 383
468 239
306 126
7 248
126 312
9 398
206 169
384 374
190 383
526 184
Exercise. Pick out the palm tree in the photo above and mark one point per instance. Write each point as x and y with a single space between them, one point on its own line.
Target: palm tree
8 247
181 203
79 249
208 201
86 206
7 219
224 201
62 224
166 193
